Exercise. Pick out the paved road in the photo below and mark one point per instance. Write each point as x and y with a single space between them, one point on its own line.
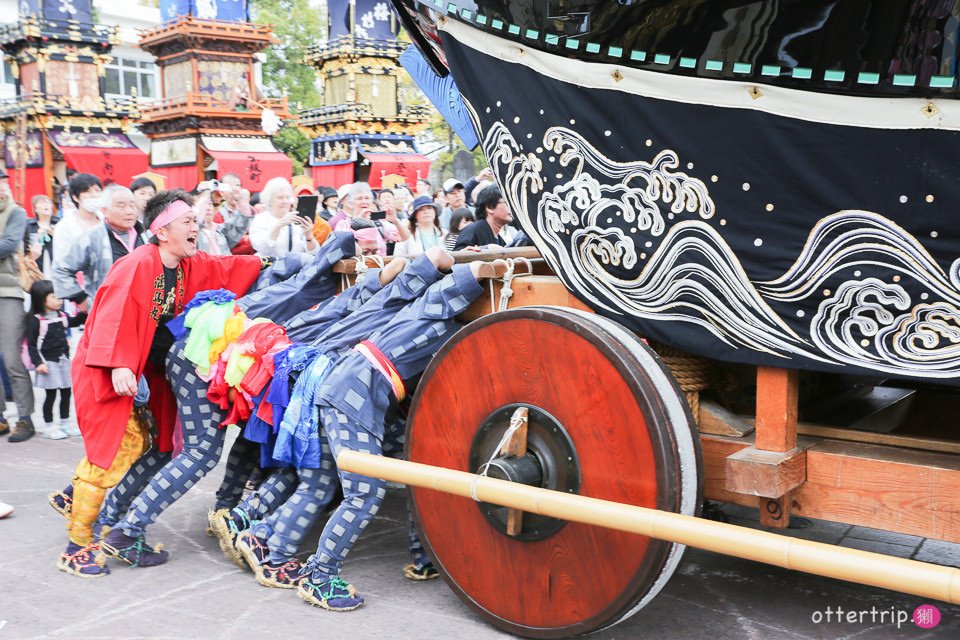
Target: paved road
198 594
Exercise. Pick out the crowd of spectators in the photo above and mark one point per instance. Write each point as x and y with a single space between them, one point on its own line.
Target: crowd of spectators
71 241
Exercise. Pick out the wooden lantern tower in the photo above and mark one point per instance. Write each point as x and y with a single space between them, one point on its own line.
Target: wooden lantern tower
363 131
212 118
61 118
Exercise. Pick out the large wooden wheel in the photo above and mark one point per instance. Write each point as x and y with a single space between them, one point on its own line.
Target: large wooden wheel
606 421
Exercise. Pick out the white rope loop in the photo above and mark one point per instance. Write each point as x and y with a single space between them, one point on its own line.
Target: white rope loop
362 268
506 291
516 421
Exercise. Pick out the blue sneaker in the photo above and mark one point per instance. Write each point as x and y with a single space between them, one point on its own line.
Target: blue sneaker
333 595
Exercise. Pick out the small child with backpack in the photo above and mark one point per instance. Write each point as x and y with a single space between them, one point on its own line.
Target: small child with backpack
47 333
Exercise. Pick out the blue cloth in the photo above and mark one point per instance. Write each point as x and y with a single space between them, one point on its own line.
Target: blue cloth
282 269
312 284
142 396
358 391
218 296
342 336
285 363
261 432
298 440
310 324
443 93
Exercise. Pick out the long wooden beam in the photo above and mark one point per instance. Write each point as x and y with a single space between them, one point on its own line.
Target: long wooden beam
863 567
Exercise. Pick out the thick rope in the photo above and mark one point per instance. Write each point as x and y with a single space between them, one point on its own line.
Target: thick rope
692 373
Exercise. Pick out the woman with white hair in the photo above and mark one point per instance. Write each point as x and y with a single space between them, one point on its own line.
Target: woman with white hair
278 230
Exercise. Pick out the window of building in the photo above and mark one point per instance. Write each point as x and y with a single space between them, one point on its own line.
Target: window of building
8 74
126 77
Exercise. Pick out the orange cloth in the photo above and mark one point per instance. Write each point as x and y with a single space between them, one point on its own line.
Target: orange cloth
321 229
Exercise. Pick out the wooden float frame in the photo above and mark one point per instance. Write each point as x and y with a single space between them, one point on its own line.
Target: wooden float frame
774 463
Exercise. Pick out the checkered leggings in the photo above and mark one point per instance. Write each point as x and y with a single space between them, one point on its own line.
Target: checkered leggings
362 497
241 462
119 499
202 444
285 528
269 496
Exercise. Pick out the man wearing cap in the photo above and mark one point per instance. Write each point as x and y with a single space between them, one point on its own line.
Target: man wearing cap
126 340
456 198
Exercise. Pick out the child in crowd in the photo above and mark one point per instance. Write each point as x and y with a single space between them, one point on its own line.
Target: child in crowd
47 332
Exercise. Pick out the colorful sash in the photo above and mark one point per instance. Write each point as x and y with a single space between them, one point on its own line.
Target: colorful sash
384 366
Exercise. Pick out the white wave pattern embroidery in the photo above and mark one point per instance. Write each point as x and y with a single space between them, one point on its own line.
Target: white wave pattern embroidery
692 277
849 239
924 341
869 322
695 277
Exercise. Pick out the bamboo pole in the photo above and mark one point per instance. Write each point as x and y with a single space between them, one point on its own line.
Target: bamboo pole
863 567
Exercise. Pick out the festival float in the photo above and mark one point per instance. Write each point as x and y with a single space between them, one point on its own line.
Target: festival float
212 119
364 129
744 287
61 118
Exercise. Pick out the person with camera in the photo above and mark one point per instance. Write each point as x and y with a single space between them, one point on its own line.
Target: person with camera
279 230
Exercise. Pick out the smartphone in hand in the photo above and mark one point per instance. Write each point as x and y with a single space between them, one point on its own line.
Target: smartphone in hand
307 207
378 215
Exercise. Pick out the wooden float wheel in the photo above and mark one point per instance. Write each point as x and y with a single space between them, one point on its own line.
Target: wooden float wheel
606 420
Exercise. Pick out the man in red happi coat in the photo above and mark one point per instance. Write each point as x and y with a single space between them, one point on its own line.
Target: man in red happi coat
126 338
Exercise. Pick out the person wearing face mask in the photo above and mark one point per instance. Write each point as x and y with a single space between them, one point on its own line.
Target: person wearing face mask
96 251
84 190
122 354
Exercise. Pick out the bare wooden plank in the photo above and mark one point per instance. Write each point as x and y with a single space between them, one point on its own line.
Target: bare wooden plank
516 446
527 291
852 435
717 420
768 474
776 408
530 253
912 492
460 257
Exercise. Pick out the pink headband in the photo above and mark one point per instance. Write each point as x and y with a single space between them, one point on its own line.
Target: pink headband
371 233
176 209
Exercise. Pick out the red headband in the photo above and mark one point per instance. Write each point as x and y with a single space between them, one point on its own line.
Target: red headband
173 211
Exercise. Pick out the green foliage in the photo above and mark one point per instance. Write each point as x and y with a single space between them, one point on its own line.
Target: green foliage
295 143
297 26
441 132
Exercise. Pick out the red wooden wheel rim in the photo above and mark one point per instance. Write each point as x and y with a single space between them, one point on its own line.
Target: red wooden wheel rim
584 577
